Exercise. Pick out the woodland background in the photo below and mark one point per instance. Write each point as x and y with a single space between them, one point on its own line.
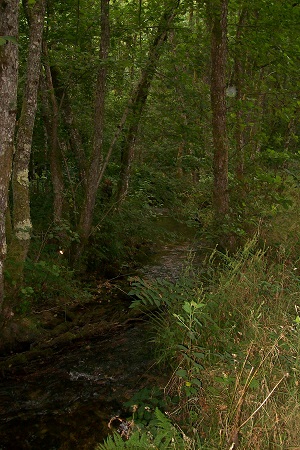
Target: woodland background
112 110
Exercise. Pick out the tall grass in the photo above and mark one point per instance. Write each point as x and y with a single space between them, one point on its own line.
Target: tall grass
229 333
232 340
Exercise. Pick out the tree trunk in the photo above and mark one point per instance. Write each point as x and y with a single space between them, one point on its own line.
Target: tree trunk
19 246
96 160
8 104
51 115
238 75
218 105
182 147
74 138
139 99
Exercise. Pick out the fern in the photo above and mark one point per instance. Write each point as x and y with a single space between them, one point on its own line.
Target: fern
160 292
167 436
163 437
137 441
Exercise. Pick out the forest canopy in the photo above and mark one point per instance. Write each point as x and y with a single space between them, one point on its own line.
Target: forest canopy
117 117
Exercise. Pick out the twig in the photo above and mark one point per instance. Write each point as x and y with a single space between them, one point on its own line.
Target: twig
286 375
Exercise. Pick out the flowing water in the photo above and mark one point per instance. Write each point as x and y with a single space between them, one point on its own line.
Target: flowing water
66 400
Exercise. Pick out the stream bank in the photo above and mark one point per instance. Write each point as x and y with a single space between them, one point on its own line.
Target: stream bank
61 391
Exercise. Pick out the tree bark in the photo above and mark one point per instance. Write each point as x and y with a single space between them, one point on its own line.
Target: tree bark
218 105
9 11
51 116
22 226
238 76
96 160
74 138
139 98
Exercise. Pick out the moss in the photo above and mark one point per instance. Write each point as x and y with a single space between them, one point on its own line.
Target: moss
22 177
23 230
64 338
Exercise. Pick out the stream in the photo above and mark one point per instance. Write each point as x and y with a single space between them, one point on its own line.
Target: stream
65 400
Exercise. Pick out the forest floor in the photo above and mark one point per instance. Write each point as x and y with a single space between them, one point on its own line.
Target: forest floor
59 323
73 373
103 306
101 352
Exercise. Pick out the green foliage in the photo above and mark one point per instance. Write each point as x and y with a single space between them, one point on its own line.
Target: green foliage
156 187
174 151
119 237
275 158
166 437
234 348
190 350
115 442
144 405
46 280
160 292
26 295
180 328
63 230
200 322
5 39
53 242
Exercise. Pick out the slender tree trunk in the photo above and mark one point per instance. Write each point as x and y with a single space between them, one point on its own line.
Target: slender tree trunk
8 104
74 138
182 147
238 76
19 246
257 114
218 105
139 98
51 116
96 160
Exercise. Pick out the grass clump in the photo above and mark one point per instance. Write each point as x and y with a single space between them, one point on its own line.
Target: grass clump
232 342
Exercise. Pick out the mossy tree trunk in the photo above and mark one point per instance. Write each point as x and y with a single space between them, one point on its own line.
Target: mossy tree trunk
19 246
8 103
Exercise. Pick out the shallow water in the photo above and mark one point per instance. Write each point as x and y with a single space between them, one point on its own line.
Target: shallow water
65 401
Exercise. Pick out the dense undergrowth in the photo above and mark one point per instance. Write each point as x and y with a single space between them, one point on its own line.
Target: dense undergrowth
229 332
